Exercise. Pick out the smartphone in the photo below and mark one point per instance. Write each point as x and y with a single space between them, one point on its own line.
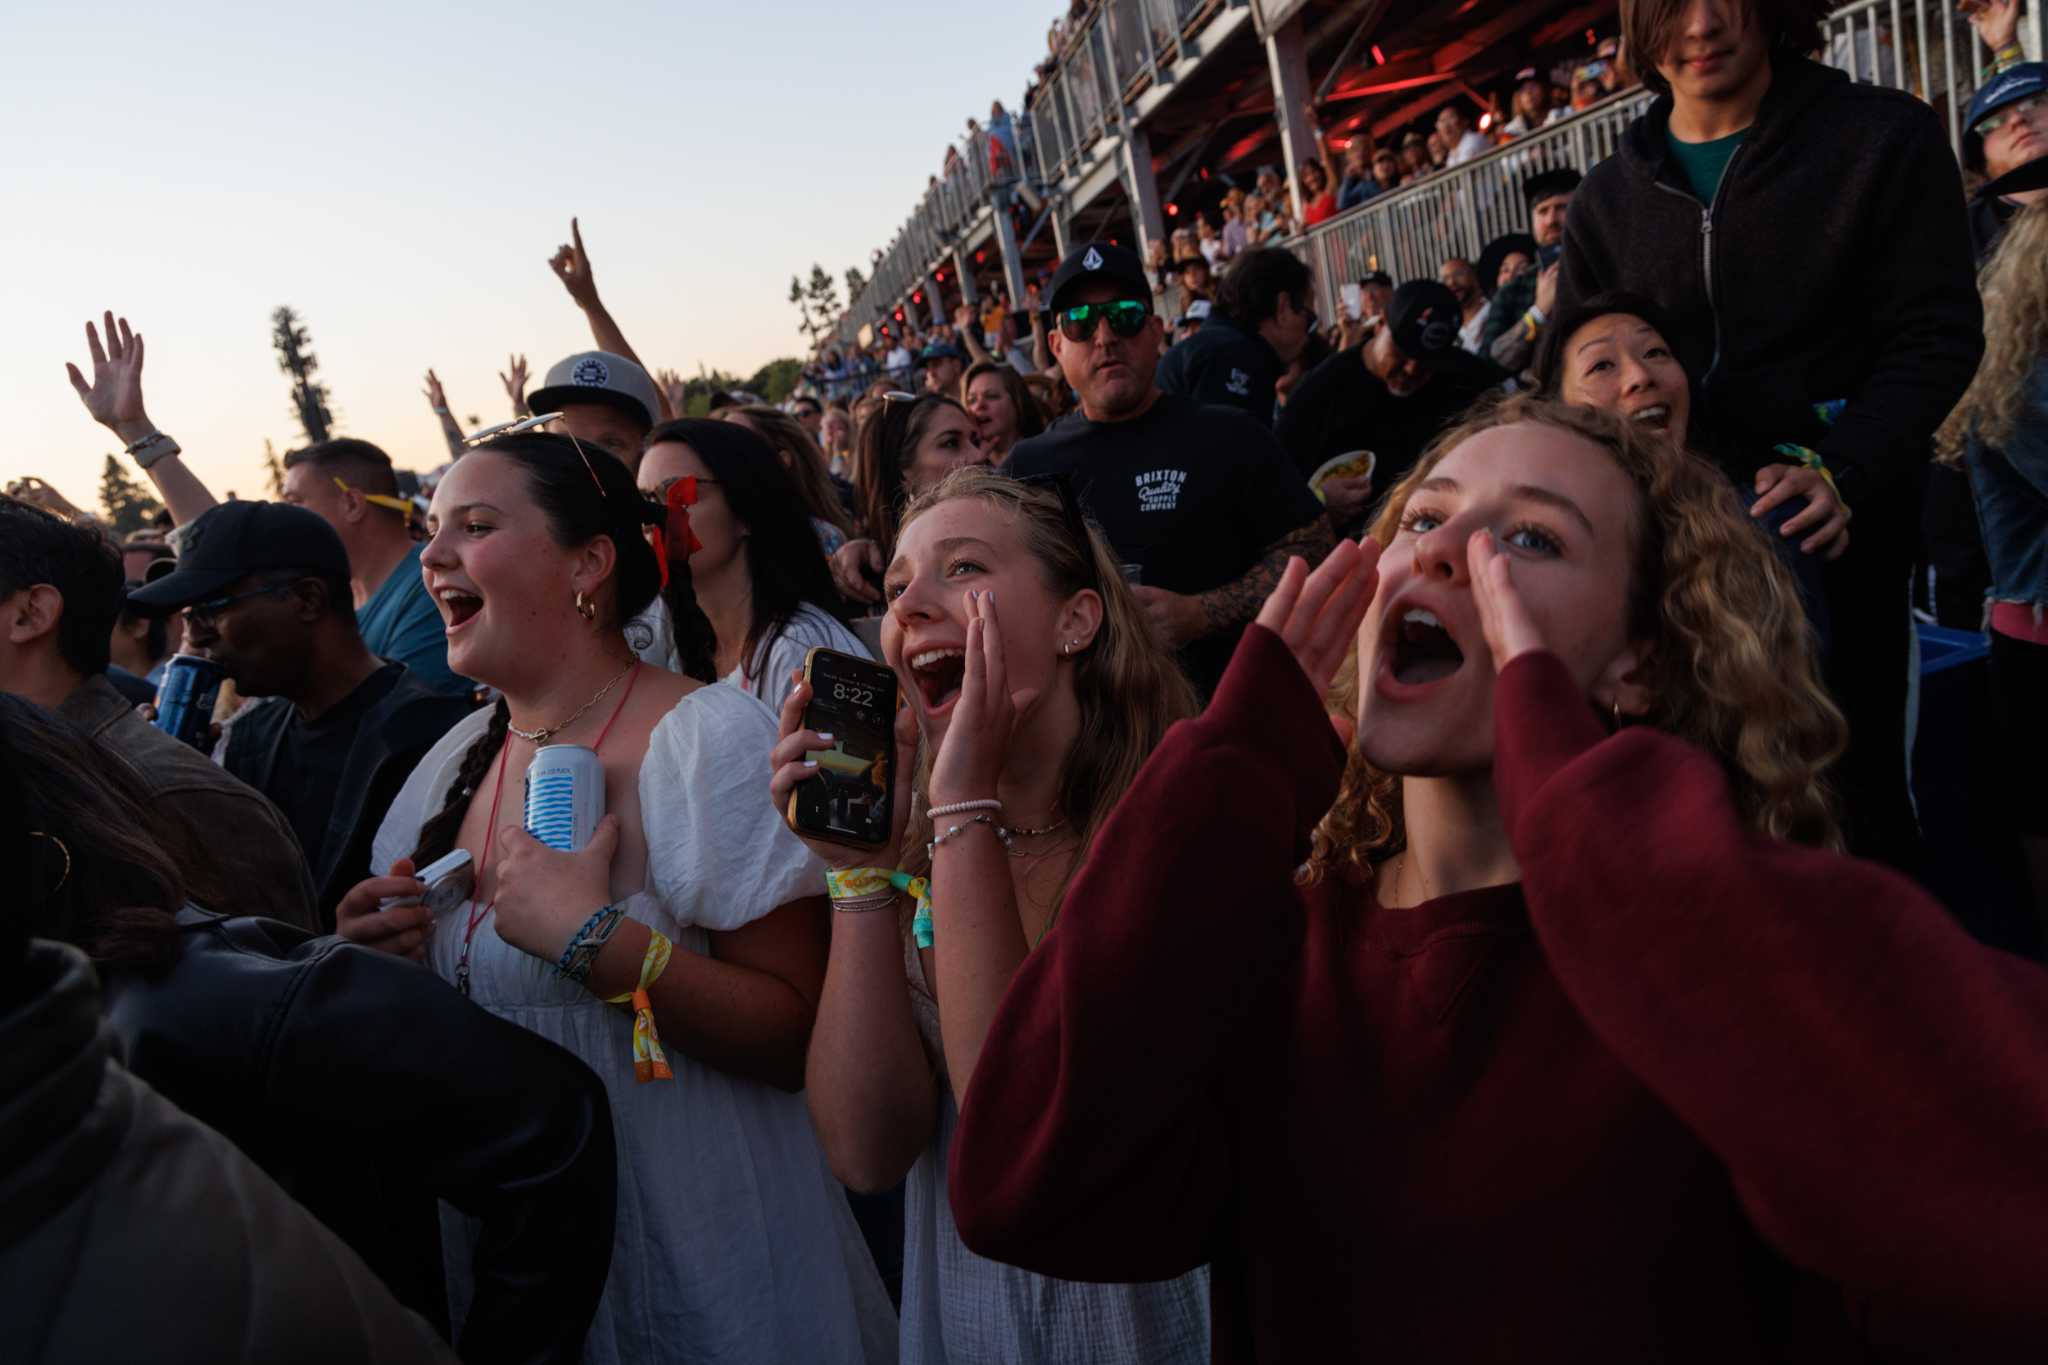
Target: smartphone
1354 300
854 701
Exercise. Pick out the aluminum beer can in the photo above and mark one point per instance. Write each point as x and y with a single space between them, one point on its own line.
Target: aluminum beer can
564 795
184 700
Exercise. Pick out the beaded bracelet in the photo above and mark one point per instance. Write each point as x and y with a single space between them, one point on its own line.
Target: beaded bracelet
587 942
865 904
962 807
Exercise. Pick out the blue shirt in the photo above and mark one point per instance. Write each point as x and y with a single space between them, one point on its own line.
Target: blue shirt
400 622
1354 192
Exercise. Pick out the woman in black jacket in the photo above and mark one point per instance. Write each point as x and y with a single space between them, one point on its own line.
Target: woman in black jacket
312 1056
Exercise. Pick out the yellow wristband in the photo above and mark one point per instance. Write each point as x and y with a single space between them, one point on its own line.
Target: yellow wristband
649 1064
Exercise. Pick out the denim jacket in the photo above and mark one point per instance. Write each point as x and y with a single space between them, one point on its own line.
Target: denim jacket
2011 490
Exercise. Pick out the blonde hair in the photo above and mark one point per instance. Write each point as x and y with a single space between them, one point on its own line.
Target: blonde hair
1129 690
1729 667
2015 285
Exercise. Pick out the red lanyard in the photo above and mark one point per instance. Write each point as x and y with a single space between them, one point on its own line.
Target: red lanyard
476 915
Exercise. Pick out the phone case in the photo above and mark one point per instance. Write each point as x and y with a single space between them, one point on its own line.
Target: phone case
848 802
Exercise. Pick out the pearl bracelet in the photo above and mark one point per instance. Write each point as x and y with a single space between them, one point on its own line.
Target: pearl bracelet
962 807
954 831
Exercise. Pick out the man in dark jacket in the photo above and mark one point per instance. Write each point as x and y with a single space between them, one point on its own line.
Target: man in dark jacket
1806 237
1261 322
341 729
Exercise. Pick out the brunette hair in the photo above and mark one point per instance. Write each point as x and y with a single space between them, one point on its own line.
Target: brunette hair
786 568
881 457
1730 663
1030 417
806 462
37 546
578 511
2015 284
1792 28
1129 690
93 873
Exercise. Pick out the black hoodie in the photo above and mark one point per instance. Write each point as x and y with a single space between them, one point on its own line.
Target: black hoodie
1834 264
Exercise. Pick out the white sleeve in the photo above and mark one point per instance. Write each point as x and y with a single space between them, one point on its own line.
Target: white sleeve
718 854
421 796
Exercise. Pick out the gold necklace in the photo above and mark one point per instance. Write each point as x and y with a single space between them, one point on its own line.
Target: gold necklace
548 732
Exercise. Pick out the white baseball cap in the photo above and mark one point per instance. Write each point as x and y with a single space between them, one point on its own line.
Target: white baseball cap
598 377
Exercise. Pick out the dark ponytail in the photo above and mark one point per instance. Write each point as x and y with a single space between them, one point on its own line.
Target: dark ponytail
584 493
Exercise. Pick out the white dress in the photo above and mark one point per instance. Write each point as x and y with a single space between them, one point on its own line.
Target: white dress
734 1243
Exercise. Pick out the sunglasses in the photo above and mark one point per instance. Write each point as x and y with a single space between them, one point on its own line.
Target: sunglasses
396 504
205 613
1126 318
535 423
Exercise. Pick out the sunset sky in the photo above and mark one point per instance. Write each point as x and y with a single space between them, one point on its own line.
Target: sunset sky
400 176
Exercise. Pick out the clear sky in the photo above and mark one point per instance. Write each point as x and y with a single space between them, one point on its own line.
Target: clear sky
401 174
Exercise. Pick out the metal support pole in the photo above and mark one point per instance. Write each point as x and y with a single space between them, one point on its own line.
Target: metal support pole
1006 243
1142 187
936 298
1287 56
963 262
1062 230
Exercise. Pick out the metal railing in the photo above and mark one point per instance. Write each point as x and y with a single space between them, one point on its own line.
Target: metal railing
1920 46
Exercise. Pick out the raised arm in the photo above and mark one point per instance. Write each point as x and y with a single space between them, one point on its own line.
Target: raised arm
451 431
513 377
114 399
571 264
968 328
1872 1077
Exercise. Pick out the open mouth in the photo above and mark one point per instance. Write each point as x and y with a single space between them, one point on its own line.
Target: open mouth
938 674
1423 651
458 608
1656 416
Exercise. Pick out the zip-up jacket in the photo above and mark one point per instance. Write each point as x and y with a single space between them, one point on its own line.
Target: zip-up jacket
1833 266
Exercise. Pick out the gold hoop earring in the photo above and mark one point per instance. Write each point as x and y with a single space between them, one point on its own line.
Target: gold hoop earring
61 848
586 608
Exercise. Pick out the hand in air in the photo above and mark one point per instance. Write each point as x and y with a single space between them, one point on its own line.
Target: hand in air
542 894
984 718
402 930
571 264
114 397
1546 287
31 489
1510 631
672 388
787 768
1997 21
513 377
436 396
1826 515
1316 613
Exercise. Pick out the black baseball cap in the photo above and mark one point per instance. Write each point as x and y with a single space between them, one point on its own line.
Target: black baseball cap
1100 262
1549 184
1372 277
235 539
1424 318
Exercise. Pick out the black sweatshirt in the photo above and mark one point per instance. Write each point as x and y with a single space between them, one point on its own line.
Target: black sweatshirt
1834 264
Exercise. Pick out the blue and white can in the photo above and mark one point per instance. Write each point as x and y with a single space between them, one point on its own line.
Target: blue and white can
184 699
564 795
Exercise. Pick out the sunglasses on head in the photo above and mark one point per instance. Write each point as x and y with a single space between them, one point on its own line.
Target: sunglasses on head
534 423
1126 318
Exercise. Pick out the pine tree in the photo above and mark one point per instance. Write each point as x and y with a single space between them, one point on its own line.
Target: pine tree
855 282
824 299
802 301
124 502
273 469
295 357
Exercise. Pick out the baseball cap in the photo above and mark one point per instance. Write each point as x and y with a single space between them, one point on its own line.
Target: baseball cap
1372 277
232 540
598 377
1497 251
1424 318
1104 263
942 350
1198 311
2016 82
1528 74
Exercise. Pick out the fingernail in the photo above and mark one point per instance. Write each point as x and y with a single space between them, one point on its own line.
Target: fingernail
810 763
825 735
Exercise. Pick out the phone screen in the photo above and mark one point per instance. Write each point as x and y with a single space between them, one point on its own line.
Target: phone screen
854 701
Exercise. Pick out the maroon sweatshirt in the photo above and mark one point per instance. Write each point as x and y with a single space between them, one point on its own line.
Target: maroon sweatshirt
1685 1094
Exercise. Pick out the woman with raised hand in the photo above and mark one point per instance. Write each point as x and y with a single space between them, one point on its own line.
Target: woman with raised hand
1036 690
690 902
757 568
1003 410
1539 1018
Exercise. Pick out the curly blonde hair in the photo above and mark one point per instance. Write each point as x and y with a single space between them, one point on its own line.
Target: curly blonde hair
2015 285
1730 663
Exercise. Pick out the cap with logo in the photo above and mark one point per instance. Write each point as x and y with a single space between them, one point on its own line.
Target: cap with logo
1424 318
1100 263
598 377
1197 314
2023 80
232 540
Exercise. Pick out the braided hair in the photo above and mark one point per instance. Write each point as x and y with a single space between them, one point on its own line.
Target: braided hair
558 478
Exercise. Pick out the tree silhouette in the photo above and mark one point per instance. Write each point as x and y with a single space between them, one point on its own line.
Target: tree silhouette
124 503
295 357
802 301
273 470
855 282
824 297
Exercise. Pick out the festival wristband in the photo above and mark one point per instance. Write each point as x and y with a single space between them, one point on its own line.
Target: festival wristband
859 883
648 1062
1810 459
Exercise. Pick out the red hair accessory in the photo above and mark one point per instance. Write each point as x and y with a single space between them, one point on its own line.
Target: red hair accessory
675 526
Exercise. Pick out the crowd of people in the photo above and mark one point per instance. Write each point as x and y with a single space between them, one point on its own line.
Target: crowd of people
1396 839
